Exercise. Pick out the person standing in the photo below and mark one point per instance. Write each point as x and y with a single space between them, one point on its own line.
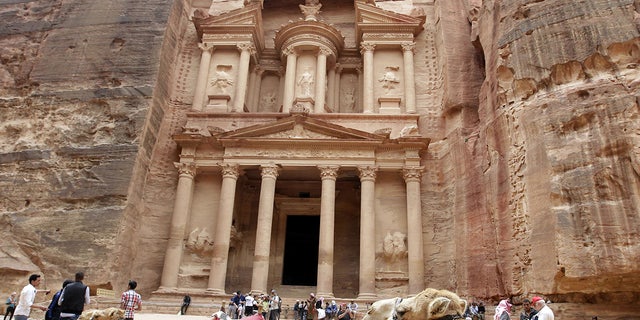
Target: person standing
73 298
53 311
248 306
11 305
502 310
544 312
527 311
344 313
186 301
130 300
274 307
27 297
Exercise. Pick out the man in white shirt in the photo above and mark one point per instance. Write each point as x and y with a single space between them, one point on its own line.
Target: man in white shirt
248 307
544 312
27 297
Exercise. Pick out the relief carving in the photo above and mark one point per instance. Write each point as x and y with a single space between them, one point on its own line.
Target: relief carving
222 80
200 241
394 246
305 83
389 79
268 101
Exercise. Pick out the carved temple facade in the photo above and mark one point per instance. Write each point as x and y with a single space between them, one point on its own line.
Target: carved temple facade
301 158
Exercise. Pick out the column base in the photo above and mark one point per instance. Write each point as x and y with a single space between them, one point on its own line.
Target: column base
215 291
325 295
367 296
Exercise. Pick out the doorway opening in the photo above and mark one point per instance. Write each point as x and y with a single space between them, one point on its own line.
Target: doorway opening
300 265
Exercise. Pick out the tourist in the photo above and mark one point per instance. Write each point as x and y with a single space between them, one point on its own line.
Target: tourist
311 305
11 306
332 310
481 310
353 307
527 311
220 314
73 299
502 310
344 313
304 311
275 305
130 300
53 311
544 312
248 305
186 301
27 297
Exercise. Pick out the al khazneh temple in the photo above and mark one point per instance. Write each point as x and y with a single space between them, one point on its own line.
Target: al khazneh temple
356 149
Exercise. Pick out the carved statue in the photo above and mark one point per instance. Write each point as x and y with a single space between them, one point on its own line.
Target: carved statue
349 99
389 79
410 131
200 241
394 245
222 79
305 83
268 101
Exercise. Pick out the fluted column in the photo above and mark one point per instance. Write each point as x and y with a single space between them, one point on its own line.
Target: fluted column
328 175
367 232
337 87
331 87
367 57
200 92
321 80
257 84
246 50
263 231
218 272
251 93
409 78
179 220
290 79
415 245
281 74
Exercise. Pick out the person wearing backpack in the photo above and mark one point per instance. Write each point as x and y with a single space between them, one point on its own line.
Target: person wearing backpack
275 306
53 311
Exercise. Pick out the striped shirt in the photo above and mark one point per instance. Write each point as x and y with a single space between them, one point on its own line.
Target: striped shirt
130 301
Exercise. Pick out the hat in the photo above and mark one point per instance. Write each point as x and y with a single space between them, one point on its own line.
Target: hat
536 299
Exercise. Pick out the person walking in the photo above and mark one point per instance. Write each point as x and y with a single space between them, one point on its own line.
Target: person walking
544 312
130 300
27 297
53 311
186 301
502 310
73 298
11 306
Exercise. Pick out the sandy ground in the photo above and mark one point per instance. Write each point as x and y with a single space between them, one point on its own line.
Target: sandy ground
157 316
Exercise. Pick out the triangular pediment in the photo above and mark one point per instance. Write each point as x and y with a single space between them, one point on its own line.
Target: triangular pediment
370 18
299 127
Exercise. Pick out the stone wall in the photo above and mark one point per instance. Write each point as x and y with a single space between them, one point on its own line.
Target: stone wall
532 107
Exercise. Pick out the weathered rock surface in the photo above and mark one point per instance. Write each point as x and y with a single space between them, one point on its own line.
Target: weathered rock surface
532 107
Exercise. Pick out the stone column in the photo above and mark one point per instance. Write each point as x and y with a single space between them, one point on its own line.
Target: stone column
331 87
263 230
281 74
179 220
200 91
250 90
409 77
246 50
337 87
321 80
220 254
367 232
415 245
290 79
257 84
328 175
359 90
367 95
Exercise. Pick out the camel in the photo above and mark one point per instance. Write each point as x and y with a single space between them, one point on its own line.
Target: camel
426 305
106 314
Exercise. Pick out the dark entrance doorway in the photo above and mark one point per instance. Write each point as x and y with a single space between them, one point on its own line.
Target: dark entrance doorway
300 265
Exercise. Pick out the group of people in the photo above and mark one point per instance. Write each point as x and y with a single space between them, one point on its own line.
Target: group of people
317 308
534 309
240 306
66 304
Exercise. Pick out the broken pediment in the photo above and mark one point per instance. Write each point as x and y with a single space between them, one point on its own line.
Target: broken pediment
299 127
243 21
371 19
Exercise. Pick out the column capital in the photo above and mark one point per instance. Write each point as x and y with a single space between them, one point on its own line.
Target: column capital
412 173
186 168
246 46
408 46
368 173
269 171
290 51
339 68
324 51
258 70
329 172
230 170
205 46
367 46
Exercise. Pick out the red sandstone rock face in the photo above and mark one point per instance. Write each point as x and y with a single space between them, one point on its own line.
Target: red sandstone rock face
532 107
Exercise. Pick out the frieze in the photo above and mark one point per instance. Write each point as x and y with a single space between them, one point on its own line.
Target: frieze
386 36
298 132
318 153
